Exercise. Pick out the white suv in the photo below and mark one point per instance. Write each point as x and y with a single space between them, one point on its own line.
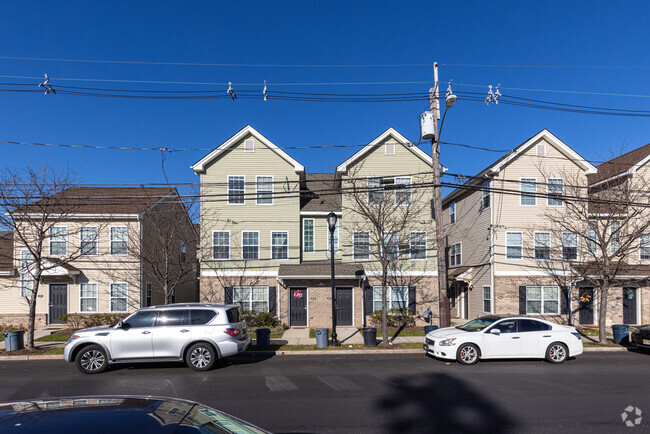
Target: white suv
197 333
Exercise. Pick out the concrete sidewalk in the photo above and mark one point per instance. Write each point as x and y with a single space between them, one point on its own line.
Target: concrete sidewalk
39 334
345 335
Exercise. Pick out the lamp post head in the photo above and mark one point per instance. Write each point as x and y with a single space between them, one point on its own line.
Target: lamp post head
331 221
451 100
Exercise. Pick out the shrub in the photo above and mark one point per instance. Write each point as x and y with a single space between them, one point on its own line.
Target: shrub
396 318
77 321
259 319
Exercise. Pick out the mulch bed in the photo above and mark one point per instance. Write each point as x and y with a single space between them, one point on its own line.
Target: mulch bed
26 352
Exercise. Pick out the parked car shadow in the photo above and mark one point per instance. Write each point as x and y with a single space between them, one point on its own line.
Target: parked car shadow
441 403
226 362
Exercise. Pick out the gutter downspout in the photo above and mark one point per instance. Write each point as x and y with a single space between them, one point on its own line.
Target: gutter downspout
492 205
142 289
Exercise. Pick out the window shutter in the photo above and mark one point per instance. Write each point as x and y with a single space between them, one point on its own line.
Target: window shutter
522 300
272 301
564 300
228 294
412 299
368 300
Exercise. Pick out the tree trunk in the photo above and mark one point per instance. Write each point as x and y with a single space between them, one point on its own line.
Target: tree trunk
384 310
31 320
602 313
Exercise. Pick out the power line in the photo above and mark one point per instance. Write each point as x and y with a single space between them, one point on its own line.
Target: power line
465 65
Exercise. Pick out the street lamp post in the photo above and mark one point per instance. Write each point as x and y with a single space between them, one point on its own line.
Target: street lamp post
331 223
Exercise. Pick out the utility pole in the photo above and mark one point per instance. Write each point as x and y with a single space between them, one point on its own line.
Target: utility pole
441 245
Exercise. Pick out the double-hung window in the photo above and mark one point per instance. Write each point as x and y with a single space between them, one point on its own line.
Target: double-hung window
88 297
569 246
396 297
644 247
452 213
119 297
487 299
88 235
418 245
403 192
119 240
375 191
252 298
336 238
542 300
264 190
58 240
391 243
554 190
614 236
26 279
543 245
236 190
592 236
455 257
485 195
308 236
361 242
528 191
280 245
250 245
221 245
514 245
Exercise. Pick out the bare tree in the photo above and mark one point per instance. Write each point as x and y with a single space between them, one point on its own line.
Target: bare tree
382 214
33 202
598 229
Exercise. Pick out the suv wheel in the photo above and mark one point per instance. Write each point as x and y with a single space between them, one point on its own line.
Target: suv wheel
201 357
92 360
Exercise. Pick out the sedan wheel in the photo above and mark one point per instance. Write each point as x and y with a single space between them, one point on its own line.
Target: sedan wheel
467 354
92 360
557 353
201 357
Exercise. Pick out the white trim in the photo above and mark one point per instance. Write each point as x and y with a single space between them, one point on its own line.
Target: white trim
249 141
577 258
527 193
199 166
81 216
460 244
6 273
549 197
49 240
257 177
67 300
375 190
96 297
305 291
491 299
271 245
452 205
542 300
81 240
390 132
337 238
640 247
212 247
325 276
259 245
631 171
110 297
402 273
313 235
239 273
319 213
354 257
520 246
426 246
228 191
408 190
110 241
523 273
535 245
392 143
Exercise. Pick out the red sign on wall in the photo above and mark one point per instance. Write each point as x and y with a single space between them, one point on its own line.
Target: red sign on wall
297 294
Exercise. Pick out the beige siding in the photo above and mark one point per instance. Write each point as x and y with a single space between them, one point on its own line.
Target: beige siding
321 239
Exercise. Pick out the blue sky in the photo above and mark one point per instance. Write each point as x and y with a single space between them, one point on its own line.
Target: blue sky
607 34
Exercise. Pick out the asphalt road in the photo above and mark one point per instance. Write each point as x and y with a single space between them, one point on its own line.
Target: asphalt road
376 393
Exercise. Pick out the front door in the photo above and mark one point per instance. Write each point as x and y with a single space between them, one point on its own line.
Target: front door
586 300
298 307
629 306
58 302
344 306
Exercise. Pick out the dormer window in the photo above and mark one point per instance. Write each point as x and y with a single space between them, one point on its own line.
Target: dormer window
390 148
249 145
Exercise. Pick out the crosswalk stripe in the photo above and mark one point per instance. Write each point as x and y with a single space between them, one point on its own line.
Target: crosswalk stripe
279 383
338 383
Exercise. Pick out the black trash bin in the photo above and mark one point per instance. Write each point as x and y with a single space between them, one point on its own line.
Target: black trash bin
14 340
370 337
430 328
263 337
621 333
322 338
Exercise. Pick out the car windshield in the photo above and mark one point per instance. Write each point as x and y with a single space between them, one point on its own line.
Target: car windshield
476 325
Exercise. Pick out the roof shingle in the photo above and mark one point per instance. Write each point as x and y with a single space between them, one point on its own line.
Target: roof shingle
318 194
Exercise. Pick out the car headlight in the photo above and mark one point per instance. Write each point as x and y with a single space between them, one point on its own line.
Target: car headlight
72 338
447 342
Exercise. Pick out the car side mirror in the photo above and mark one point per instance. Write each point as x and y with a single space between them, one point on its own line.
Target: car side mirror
495 331
123 325
119 324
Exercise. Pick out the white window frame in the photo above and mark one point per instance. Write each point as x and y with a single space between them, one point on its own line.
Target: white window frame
65 240
486 193
489 292
390 299
148 294
411 246
564 257
391 234
452 213
535 246
386 148
257 190
407 190
354 246
313 235
379 189
111 298
614 246
645 257
221 245
272 245
521 246
243 191
336 238
26 278
542 300
82 298
249 142
592 243
111 240
527 194
258 246
250 297
458 248
81 241
552 196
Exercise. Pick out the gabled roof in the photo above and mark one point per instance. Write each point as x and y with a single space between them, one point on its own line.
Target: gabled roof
626 164
320 193
496 167
390 132
199 166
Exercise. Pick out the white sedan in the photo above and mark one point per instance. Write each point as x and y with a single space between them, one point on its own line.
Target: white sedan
496 337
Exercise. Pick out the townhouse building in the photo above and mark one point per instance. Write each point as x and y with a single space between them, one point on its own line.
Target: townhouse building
266 242
96 252
509 251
